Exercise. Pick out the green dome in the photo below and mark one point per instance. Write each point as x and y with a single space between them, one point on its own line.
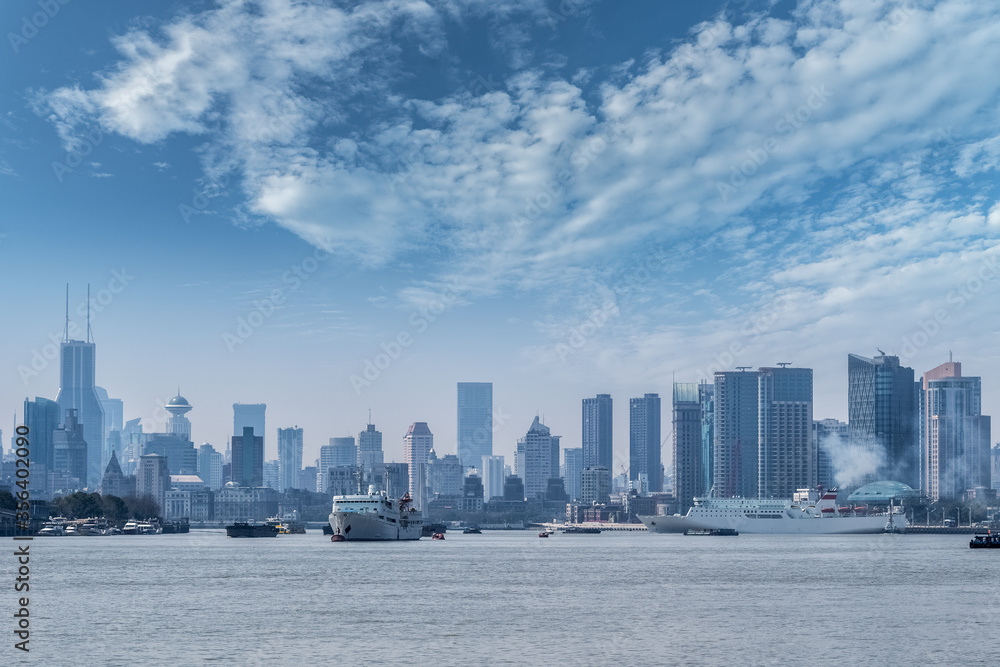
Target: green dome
882 492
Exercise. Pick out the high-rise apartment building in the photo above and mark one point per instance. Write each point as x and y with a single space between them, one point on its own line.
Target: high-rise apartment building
882 414
786 458
706 396
248 458
475 422
370 455
417 444
689 473
537 459
644 440
152 478
290 442
954 434
598 447
493 474
573 471
736 433
595 485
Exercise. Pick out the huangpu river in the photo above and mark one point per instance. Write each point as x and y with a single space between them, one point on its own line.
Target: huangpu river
507 598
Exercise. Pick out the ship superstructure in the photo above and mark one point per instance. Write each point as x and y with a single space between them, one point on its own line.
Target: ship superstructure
375 516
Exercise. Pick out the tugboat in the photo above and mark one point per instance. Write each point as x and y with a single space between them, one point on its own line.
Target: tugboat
987 540
239 529
581 530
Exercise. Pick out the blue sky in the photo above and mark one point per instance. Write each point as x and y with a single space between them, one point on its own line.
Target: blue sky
563 198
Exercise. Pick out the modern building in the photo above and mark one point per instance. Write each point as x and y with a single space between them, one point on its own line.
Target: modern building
181 456
829 436
595 485
210 466
249 414
153 478
248 458
395 479
271 474
735 433
77 391
417 445
341 480
954 434
689 465
42 417
995 466
573 471
444 475
492 469
597 439
882 413
471 499
706 396
178 423
786 459
537 459
290 443
475 422
340 452
114 411
70 450
644 440
513 489
370 455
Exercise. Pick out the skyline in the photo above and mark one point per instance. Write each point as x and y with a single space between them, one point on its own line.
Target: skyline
564 205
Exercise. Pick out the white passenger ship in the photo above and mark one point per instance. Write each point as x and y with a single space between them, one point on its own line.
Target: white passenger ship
375 516
805 516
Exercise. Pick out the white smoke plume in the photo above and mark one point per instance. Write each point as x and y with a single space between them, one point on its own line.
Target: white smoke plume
852 463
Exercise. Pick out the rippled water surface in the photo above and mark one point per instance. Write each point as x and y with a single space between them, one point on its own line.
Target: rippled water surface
510 598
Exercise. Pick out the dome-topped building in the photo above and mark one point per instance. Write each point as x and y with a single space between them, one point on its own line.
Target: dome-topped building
881 493
178 424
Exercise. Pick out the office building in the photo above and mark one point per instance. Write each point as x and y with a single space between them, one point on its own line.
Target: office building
152 478
114 411
706 396
492 469
42 417
598 449
595 485
370 456
829 436
735 433
475 422
444 475
882 413
417 445
77 391
537 459
248 458
70 451
340 452
688 464
290 443
954 434
181 456
786 459
271 474
573 471
644 440
513 489
995 466
210 466
252 415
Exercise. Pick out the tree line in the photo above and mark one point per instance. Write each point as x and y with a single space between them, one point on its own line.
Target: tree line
82 505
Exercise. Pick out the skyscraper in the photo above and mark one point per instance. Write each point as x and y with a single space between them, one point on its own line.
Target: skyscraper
537 459
492 469
152 478
573 471
417 444
370 456
475 422
70 450
290 444
882 416
113 416
706 396
828 434
954 434
595 485
786 458
689 474
598 449
42 418
210 466
178 423
249 414
736 433
248 458
77 391
644 440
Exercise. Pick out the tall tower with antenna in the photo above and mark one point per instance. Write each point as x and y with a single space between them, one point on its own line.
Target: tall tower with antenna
77 391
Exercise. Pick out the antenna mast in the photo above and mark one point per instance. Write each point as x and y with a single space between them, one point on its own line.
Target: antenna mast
66 330
88 314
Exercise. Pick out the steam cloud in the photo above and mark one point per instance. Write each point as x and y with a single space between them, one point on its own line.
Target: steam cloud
852 463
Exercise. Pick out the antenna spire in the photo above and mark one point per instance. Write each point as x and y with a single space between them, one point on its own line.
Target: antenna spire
66 330
88 314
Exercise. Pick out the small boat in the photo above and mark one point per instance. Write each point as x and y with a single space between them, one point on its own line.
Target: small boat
987 540
71 530
543 534
51 529
131 528
472 531
437 536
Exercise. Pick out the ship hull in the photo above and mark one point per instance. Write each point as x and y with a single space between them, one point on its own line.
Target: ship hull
360 527
848 525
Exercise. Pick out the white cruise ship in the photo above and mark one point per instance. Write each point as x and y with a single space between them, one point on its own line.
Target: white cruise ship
374 516
804 516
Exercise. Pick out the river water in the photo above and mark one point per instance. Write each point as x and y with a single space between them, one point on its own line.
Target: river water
508 598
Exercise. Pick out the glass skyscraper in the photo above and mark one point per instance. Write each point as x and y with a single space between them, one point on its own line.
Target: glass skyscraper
598 448
689 464
77 391
786 459
475 422
644 441
42 417
289 458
